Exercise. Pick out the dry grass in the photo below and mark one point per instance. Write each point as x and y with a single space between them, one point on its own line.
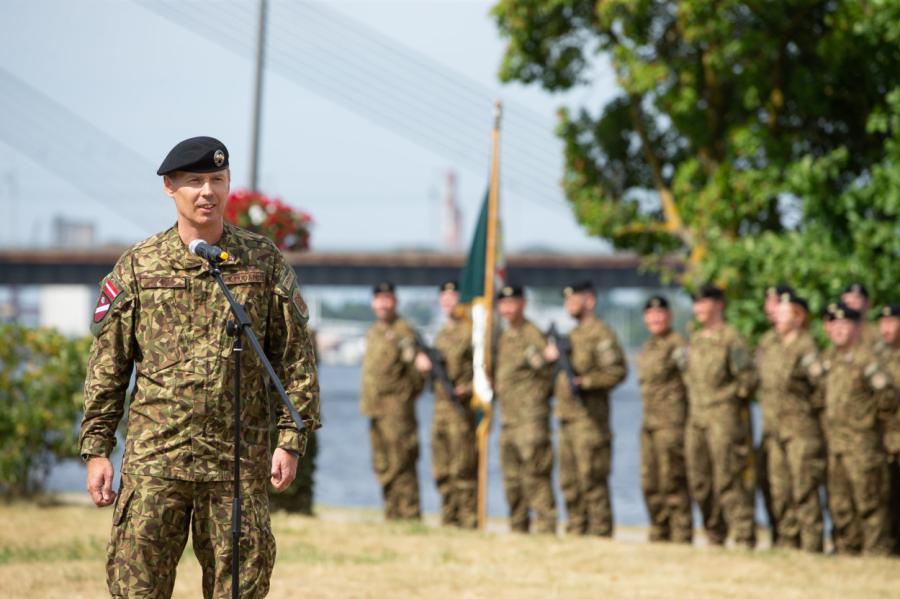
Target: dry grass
59 551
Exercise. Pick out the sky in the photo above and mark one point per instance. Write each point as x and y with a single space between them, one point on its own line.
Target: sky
112 85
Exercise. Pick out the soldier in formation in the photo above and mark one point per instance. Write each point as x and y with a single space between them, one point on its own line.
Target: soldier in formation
582 407
664 397
161 313
888 351
391 383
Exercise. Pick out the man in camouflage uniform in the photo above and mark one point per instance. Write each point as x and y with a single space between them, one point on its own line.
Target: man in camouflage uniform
767 398
663 470
523 377
585 451
453 450
161 313
858 392
720 379
856 297
888 351
391 384
796 444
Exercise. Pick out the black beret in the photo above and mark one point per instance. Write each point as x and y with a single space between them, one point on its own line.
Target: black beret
578 287
857 288
779 290
890 310
709 291
844 312
510 291
195 155
449 286
792 298
656 301
383 287
828 311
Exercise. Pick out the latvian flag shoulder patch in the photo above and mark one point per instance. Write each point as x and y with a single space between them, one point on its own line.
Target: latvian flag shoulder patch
109 292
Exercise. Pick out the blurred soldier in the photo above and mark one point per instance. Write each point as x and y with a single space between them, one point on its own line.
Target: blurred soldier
161 314
390 385
889 354
585 452
522 384
856 297
857 392
453 450
796 444
663 471
720 377
767 397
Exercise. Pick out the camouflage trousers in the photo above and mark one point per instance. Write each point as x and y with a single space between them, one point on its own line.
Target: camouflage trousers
526 457
857 498
664 483
762 479
719 474
584 466
395 450
454 462
151 521
796 471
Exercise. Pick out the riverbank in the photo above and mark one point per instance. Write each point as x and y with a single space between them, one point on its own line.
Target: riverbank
58 551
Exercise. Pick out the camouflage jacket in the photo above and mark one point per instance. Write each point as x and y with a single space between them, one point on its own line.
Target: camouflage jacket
455 344
598 359
522 376
718 370
161 313
662 389
766 356
788 376
390 381
890 360
859 393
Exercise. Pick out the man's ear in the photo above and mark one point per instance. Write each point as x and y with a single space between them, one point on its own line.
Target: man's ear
169 186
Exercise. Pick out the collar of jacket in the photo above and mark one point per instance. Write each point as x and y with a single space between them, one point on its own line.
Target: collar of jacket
177 254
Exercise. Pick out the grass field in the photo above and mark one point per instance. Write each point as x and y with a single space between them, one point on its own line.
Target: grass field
58 551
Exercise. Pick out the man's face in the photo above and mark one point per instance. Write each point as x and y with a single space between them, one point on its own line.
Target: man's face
842 331
448 300
770 305
579 304
512 309
857 301
707 309
786 319
889 327
657 320
384 305
199 197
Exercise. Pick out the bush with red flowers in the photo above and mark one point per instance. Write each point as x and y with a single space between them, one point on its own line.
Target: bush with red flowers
286 226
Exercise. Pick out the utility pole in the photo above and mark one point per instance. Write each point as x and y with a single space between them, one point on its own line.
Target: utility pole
257 97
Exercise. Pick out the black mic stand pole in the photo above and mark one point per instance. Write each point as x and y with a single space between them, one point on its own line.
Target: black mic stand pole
237 328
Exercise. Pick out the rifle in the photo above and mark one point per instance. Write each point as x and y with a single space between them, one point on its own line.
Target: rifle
438 372
564 364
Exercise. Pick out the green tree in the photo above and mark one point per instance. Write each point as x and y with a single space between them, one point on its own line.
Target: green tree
41 382
759 140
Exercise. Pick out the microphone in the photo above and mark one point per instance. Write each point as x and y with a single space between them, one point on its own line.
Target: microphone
213 253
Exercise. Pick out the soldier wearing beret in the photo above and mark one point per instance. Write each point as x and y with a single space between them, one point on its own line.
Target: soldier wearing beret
161 314
720 378
523 380
888 351
859 393
856 297
664 397
789 374
391 383
453 450
585 439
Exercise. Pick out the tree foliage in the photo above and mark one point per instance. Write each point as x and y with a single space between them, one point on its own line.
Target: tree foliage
760 140
41 383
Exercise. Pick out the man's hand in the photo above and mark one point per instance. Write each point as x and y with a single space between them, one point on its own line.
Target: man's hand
100 480
423 362
551 352
284 469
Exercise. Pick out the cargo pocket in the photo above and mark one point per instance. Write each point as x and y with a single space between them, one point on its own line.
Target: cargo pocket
116 552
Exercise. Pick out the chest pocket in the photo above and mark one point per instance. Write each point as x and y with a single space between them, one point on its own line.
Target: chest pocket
708 365
248 288
165 310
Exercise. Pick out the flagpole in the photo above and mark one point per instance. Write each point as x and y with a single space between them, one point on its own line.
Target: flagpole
490 273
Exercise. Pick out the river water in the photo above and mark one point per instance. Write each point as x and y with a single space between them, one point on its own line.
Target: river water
344 475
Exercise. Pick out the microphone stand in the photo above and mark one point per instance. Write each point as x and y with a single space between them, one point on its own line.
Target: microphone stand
237 328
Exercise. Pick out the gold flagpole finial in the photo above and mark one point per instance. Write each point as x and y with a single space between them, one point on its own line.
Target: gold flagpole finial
498 112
